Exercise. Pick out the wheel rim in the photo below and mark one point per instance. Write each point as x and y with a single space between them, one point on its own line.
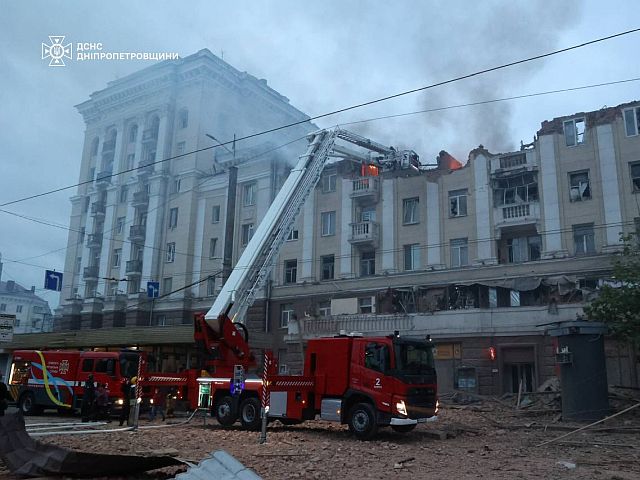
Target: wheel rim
27 404
224 410
249 413
360 420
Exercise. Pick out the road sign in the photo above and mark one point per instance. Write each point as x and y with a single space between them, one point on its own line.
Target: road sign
6 327
53 280
153 289
237 386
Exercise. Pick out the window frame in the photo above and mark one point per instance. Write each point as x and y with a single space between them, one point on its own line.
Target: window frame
578 138
635 116
635 181
215 214
459 245
183 118
287 311
246 233
290 271
572 187
327 261
294 235
411 252
117 257
369 262
324 308
330 226
458 196
213 245
249 194
410 216
363 306
586 232
170 254
329 182
173 218
167 282
120 221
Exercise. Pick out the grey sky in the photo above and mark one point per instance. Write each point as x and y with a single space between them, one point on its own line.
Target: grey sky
322 56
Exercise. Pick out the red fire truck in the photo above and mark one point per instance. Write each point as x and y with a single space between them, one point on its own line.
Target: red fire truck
55 378
365 382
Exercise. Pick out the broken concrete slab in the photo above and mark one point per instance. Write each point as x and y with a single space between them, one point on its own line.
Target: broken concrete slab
221 466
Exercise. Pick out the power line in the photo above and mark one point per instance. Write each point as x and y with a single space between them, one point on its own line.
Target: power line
342 110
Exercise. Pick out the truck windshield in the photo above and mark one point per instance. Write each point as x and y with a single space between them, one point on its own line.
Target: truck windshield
414 358
128 364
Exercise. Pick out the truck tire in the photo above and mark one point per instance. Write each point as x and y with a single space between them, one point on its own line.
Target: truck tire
27 404
403 428
250 413
225 411
362 421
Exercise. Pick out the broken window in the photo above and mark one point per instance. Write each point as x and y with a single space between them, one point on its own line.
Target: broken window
410 211
328 266
520 188
632 121
574 132
458 203
580 188
583 239
635 177
514 160
524 249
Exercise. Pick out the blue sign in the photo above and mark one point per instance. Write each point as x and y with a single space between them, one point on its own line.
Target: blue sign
53 280
153 289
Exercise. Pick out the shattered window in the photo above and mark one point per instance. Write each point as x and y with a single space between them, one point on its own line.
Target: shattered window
574 132
458 203
632 121
515 189
635 177
580 188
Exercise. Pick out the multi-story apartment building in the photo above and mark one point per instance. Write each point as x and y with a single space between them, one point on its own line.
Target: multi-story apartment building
481 255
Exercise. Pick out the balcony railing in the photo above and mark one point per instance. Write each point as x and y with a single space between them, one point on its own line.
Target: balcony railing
145 168
98 208
94 240
91 272
364 233
134 267
140 198
104 178
137 232
522 213
365 187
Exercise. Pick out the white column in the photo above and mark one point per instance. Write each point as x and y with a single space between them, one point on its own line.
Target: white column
483 218
308 223
550 204
161 146
610 188
111 203
388 225
138 150
117 153
345 229
198 252
155 229
434 249
127 248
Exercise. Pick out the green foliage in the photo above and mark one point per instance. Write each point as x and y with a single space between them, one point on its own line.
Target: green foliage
619 306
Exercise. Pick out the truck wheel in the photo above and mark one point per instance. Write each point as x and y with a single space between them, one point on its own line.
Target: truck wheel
225 411
403 428
362 421
27 404
250 413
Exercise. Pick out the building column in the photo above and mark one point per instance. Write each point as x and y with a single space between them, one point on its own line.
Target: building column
111 204
388 225
345 230
552 236
434 249
198 249
308 236
484 242
154 233
610 188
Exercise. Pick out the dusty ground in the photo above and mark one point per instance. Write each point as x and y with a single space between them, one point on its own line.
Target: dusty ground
488 440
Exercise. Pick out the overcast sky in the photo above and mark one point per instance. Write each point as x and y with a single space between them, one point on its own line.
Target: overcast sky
322 56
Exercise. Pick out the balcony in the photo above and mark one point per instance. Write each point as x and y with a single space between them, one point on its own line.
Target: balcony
140 199
91 273
149 135
98 208
137 233
525 160
94 240
109 146
519 214
103 179
364 233
145 168
134 267
366 188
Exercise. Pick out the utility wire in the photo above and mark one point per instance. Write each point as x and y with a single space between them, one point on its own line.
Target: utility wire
345 109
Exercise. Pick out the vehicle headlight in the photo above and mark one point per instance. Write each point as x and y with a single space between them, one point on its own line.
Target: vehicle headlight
151 401
120 401
401 408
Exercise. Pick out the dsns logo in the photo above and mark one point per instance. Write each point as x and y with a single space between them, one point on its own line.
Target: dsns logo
57 52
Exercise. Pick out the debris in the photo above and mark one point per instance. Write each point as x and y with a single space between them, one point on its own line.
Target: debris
219 465
568 465
435 434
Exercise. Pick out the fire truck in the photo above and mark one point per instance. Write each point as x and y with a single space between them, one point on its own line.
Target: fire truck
365 382
56 378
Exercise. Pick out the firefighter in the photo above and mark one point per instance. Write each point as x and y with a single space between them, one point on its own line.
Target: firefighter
125 388
88 397
4 396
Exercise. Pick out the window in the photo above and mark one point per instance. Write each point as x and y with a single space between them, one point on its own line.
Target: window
94 147
328 263
117 257
183 118
368 263
368 214
82 233
328 220
181 147
78 264
412 257
524 249
215 214
130 161
167 285
175 188
329 182
213 243
171 252
87 365
635 176
459 252
120 225
579 187
574 132
247 233
293 235
3 307
249 194
410 211
87 201
290 271
286 314
632 121
365 305
105 365
520 188
283 369
18 308
583 239
324 308
173 217
377 357
133 285
133 133
211 286
458 203
124 193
